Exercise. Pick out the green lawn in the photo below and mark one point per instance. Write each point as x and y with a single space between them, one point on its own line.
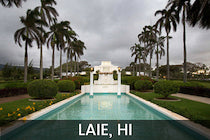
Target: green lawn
195 111
11 111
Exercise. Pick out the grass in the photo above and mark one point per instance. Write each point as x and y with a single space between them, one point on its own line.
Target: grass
195 111
12 111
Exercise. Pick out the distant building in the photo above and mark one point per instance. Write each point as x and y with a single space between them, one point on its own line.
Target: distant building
74 73
127 73
205 72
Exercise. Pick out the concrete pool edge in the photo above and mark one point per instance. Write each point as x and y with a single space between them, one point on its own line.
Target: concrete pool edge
35 115
185 121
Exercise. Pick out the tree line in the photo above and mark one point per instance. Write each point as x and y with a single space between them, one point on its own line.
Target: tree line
152 40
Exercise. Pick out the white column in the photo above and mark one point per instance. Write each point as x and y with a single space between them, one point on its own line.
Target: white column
119 83
91 83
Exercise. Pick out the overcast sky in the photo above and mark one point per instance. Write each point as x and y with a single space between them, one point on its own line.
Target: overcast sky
108 28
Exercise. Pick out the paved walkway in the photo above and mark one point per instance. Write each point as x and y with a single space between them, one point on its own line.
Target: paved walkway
13 98
193 97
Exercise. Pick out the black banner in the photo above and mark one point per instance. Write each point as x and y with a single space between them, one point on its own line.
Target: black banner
102 129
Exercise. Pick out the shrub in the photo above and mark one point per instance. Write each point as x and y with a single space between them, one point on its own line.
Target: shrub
130 80
66 86
56 80
42 89
166 88
143 85
78 81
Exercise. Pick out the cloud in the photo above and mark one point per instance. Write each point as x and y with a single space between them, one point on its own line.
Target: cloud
108 28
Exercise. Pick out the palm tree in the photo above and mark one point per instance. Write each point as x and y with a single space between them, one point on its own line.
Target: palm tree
132 65
56 37
159 51
64 37
143 39
28 33
184 7
69 50
47 13
151 39
10 3
137 51
167 20
200 13
78 49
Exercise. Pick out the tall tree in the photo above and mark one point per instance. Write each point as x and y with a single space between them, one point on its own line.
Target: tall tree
137 51
184 7
58 34
167 20
63 38
47 14
28 33
78 49
160 51
132 65
151 40
200 13
69 50
10 3
143 39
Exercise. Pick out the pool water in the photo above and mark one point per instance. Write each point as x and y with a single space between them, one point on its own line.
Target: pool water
105 107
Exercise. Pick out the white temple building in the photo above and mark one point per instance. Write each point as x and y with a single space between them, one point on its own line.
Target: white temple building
105 82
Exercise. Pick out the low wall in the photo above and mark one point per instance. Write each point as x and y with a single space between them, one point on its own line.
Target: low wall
105 88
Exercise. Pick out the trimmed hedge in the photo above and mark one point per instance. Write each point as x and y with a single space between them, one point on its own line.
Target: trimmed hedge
192 84
42 89
143 85
194 88
198 91
130 80
166 88
66 86
78 80
12 92
15 85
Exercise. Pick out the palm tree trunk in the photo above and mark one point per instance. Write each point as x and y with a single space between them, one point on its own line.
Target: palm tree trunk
67 65
144 57
75 58
26 63
53 60
139 66
41 63
41 58
150 64
133 70
136 68
157 65
168 56
77 68
71 66
185 51
60 63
